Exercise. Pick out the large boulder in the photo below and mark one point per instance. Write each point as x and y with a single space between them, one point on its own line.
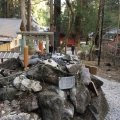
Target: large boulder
29 103
51 105
98 83
85 75
80 98
68 111
12 64
97 108
73 68
54 105
46 73
7 93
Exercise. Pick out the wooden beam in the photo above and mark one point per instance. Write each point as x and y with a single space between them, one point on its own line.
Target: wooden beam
35 33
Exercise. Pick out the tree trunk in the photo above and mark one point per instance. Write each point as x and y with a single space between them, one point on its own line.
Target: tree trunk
97 33
51 22
8 8
29 16
78 28
3 8
78 23
65 39
101 30
57 12
22 2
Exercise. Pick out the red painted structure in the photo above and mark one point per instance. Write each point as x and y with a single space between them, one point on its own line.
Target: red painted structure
70 42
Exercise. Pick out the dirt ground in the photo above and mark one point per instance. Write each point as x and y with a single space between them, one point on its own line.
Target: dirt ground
106 70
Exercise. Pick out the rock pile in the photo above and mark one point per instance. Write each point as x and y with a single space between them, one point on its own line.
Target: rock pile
53 88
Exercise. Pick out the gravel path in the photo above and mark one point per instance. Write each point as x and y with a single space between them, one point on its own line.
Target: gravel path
112 94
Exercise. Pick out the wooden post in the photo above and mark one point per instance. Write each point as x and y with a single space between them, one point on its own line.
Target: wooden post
25 57
40 44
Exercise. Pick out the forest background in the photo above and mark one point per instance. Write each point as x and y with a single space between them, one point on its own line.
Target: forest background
76 18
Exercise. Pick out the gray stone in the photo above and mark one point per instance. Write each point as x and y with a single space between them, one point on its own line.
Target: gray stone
12 64
51 105
85 75
34 61
98 83
68 111
20 116
80 97
29 103
7 93
73 68
5 81
98 107
1 81
66 58
46 73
